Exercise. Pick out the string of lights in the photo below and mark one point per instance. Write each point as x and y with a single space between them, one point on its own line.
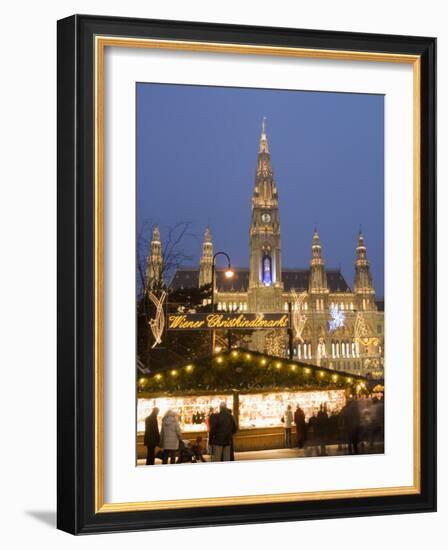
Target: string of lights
241 368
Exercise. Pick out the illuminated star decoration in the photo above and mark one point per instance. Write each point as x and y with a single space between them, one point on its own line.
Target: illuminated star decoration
337 319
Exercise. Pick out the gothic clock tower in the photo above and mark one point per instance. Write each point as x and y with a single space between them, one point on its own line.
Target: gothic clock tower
265 278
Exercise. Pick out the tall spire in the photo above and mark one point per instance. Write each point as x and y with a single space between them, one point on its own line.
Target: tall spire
154 264
318 277
205 268
265 190
363 278
265 256
264 138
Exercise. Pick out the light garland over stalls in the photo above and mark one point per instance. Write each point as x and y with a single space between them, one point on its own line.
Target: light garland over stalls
254 359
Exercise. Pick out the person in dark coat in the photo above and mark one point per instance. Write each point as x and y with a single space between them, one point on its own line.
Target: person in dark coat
207 426
222 428
353 422
322 429
311 436
232 451
152 435
299 421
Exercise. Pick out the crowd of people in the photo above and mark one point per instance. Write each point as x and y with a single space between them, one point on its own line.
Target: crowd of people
221 427
358 424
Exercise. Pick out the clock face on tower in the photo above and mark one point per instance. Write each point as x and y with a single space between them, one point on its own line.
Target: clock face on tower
265 217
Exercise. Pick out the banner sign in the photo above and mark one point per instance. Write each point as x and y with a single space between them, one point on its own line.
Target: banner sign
227 321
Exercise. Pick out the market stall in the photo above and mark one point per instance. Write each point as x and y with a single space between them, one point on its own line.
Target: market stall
256 387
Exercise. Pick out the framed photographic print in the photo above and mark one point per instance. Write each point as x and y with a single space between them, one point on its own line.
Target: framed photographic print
246 271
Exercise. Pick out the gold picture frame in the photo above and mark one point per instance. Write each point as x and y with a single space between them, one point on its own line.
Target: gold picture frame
98 36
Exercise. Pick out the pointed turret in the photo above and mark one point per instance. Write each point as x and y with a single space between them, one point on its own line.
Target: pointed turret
318 277
154 265
205 269
363 278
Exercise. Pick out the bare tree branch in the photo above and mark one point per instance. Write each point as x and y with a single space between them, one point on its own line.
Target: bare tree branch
172 255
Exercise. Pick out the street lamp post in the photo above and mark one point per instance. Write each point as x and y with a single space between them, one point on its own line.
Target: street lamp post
228 274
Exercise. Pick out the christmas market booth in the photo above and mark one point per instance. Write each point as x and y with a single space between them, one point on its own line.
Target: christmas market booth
256 387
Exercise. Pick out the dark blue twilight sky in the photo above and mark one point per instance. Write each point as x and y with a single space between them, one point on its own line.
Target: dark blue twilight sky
196 157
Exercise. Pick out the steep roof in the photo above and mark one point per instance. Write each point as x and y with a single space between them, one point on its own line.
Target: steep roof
293 278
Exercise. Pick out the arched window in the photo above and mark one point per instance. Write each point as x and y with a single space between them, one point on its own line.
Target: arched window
266 270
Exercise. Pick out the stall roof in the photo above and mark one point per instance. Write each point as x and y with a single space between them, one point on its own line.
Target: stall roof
244 370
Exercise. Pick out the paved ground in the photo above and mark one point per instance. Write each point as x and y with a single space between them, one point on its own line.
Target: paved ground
332 450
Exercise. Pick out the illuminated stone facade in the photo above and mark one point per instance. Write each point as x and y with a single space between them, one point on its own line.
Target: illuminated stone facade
341 328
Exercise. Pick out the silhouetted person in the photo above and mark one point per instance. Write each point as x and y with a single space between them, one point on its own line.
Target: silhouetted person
222 428
207 425
232 450
152 435
342 428
322 429
311 435
352 422
287 419
299 421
